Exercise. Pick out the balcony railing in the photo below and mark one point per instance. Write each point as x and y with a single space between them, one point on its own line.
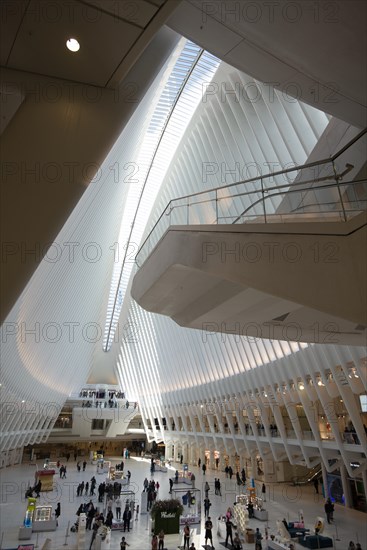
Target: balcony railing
317 191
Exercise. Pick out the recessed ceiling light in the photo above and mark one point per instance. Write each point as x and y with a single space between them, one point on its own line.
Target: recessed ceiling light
73 45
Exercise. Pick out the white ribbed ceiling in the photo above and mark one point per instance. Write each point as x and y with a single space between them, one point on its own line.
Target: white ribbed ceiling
50 336
240 128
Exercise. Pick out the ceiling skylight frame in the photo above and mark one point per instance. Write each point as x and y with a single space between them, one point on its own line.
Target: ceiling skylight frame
169 119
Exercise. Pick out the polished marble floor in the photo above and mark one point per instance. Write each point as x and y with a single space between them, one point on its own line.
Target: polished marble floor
283 500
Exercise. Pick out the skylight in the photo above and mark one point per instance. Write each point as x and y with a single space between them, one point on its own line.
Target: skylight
190 67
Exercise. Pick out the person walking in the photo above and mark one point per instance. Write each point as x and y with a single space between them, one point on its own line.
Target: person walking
208 531
96 525
316 485
90 512
127 518
37 488
229 534
263 492
329 510
118 508
186 532
219 492
204 468
155 542
57 513
161 540
109 519
258 538
207 505
123 544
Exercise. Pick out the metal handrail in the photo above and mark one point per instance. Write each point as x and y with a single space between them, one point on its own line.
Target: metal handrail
314 188
266 193
280 172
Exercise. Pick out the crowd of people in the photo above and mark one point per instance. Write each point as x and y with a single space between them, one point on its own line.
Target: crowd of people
104 404
151 488
113 508
100 404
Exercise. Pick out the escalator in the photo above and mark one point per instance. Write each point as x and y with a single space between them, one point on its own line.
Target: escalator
315 472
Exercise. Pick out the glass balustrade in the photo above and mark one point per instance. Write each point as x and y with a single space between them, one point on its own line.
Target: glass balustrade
325 191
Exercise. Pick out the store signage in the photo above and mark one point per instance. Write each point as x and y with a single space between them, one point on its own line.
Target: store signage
167 515
191 519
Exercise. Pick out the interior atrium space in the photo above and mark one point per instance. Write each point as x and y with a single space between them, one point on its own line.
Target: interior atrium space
183 246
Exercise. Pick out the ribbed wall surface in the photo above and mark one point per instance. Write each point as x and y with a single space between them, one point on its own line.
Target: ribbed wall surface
64 302
176 373
230 137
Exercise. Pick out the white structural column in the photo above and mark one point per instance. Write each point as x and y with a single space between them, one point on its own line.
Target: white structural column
168 451
253 473
324 480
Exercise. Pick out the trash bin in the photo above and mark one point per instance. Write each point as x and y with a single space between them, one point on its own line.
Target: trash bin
250 535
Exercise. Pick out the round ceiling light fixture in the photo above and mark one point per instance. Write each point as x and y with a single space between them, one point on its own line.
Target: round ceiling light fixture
73 45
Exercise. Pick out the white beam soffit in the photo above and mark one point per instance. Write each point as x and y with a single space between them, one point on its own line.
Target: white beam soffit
178 95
